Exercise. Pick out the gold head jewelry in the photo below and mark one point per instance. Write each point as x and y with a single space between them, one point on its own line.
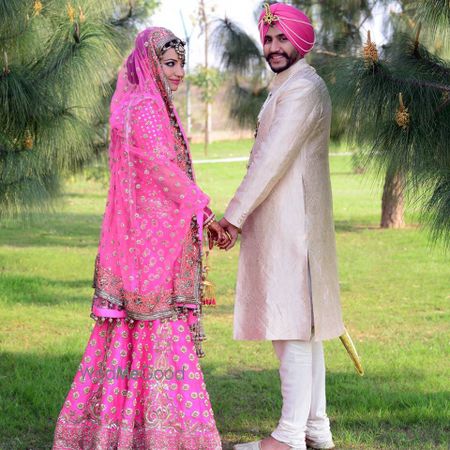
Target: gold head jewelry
402 114
370 51
177 45
269 18
179 48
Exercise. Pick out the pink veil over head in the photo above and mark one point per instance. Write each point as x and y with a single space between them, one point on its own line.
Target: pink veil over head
149 258
142 75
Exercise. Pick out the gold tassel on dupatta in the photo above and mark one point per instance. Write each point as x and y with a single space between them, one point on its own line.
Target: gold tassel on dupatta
208 290
208 298
198 335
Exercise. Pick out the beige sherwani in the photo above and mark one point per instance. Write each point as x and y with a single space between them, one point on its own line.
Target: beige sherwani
284 207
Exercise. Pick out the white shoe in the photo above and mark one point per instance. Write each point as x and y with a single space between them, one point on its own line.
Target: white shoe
255 445
315 445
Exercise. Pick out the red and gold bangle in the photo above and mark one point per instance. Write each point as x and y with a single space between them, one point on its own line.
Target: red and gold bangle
209 221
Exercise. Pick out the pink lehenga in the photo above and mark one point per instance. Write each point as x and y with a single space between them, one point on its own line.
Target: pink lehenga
139 384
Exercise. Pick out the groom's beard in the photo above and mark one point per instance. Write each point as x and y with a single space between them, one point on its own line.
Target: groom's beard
283 64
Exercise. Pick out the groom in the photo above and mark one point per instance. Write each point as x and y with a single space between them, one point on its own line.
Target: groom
287 287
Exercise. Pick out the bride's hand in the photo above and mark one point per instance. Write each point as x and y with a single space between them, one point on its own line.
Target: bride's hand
217 235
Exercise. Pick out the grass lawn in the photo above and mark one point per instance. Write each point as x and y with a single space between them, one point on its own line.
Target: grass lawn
233 149
395 293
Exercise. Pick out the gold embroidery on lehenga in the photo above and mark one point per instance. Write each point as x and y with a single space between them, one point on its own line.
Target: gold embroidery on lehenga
160 411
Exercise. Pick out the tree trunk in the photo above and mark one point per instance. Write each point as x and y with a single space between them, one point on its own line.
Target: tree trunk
188 93
207 109
187 69
209 122
206 140
392 203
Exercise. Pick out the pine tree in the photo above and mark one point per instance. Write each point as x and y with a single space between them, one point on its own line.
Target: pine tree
241 58
398 99
57 62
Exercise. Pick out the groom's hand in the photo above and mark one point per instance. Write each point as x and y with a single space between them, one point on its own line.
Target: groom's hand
217 235
232 231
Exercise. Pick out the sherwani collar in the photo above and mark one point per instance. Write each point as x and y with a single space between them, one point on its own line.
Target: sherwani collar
282 77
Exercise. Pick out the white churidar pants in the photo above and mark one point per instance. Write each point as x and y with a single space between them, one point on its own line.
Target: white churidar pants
302 375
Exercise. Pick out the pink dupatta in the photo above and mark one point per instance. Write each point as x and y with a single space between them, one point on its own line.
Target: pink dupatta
149 259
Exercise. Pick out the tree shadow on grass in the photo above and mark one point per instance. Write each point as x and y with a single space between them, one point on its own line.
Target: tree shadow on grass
32 390
247 404
372 409
346 226
84 195
40 291
58 230
83 230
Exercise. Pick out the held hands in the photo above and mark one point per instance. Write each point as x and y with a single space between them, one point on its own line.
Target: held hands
217 235
232 233
223 234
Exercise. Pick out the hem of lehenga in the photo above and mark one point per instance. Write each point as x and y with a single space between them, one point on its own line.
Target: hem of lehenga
85 435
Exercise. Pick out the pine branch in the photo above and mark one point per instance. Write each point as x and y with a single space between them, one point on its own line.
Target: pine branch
428 62
246 103
368 16
51 95
415 82
13 36
124 19
435 13
330 53
239 53
439 202
444 105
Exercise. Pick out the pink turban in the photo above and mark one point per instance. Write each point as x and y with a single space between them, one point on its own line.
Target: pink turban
292 22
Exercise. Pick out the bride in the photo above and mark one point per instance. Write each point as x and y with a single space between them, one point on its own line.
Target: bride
139 383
